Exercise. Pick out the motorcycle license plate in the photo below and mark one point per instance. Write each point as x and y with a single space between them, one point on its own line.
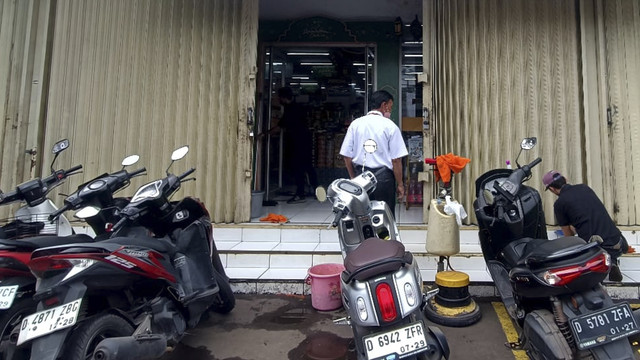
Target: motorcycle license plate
604 326
48 321
402 342
7 294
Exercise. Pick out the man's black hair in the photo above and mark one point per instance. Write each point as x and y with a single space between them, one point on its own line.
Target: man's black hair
558 182
285 93
378 97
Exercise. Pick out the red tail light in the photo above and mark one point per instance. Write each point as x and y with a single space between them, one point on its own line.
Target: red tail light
14 264
565 275
41 267
386 301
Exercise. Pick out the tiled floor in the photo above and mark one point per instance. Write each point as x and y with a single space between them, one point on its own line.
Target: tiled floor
311 211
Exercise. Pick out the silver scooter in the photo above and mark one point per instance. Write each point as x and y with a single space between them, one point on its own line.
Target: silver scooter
382 289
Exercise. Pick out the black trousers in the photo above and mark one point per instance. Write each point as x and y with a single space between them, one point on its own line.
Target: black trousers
386 188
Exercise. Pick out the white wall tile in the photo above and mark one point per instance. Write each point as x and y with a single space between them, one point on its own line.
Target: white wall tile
258 246
300 235
327 259
284 261
247 260
260 234
300 247
227 234
245 273
284 274
413 236
329 236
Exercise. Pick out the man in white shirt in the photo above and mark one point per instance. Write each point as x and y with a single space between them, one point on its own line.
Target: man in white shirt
386 161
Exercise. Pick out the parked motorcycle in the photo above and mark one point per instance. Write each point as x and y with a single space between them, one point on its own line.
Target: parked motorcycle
133 295
382 289
26 231
551 288
18 283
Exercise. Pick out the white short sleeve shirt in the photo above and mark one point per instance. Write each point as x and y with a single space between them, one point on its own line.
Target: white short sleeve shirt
380 129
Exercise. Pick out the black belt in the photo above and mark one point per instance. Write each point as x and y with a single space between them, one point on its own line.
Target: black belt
373 170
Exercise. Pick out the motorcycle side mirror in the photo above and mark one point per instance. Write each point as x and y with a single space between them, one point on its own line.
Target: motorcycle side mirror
370 146
58 147
87 212
321 194
178 154
130 160
526 144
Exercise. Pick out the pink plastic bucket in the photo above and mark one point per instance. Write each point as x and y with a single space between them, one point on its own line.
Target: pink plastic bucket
325 286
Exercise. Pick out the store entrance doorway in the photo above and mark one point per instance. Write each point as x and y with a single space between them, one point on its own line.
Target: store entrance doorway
330 87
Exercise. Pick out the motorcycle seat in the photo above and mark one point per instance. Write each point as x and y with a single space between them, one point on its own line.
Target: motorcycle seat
526 251
375 256
38 242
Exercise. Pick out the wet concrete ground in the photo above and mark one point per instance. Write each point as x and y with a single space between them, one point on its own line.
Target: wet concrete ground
278 327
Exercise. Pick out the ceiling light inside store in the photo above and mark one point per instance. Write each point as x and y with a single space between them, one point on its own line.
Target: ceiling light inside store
316 64
360 64
308 53
412 55
300 77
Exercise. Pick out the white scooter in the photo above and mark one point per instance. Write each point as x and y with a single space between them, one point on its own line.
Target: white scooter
382 288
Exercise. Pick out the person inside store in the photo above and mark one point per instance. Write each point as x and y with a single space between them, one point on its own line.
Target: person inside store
386 161
578 210
297 144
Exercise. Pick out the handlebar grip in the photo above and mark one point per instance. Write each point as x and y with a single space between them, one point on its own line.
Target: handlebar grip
57 213
119 224
186 173
334 223
75 168
535 162
137 172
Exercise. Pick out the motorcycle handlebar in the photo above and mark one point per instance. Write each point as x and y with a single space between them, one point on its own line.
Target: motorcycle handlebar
75 168
535 162
186 173
334 223
57 213
137 172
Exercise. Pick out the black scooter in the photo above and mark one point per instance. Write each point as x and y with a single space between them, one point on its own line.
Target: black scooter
136 294
551 288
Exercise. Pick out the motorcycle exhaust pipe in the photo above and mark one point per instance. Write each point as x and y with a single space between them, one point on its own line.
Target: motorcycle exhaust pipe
131 347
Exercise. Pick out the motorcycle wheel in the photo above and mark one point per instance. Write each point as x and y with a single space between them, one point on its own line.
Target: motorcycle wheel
225 299
9 320
542 338
89 334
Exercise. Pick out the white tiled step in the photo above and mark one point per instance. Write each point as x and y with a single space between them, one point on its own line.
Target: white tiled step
286 253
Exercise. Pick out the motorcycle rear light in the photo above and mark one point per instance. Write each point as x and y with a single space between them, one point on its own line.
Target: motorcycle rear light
12 267
45 267
51 301
362 309
565 275
386 302
410 294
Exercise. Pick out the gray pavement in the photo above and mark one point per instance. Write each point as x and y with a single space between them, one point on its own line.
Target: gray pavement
278 327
